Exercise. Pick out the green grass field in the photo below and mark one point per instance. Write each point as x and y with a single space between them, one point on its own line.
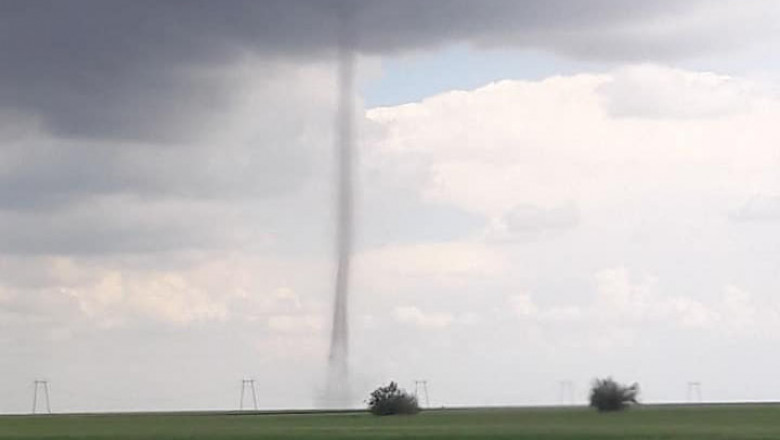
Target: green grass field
651 422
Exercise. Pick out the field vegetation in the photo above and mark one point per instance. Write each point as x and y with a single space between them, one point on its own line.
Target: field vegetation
608 395
645 422
390 400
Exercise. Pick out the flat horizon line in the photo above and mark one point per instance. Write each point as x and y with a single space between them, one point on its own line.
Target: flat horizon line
277 412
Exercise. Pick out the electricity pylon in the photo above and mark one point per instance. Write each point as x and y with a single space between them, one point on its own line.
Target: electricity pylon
566 392
422 384
251 384
694 392
44 386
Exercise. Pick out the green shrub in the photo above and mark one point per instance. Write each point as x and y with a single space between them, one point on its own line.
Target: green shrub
390 400
608 395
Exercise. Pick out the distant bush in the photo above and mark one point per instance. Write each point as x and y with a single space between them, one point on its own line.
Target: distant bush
390 400
608 395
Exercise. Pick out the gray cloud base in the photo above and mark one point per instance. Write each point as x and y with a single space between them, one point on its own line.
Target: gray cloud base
120 69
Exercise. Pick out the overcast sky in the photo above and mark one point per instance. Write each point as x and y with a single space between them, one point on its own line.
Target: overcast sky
548 191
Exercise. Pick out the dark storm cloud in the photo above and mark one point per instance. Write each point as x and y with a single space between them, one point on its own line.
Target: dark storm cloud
121 99
50 173
118 69
93 68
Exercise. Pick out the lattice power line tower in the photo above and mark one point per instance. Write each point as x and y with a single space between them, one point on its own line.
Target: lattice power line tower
248 383
422 385
566 392
42 385
694 392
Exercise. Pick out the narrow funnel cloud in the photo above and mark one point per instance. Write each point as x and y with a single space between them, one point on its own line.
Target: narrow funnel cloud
338 392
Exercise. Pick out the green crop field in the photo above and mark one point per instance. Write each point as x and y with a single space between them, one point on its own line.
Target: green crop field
651 422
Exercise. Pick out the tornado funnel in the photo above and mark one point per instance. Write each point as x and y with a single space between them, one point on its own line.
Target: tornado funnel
337 391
